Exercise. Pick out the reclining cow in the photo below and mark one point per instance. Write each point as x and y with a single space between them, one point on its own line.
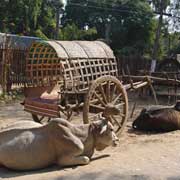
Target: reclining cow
28 145
159 118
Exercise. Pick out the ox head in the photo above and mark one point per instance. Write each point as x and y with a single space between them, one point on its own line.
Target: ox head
141 121
177 106
104 134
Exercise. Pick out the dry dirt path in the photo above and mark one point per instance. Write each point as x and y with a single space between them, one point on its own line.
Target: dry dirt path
139 156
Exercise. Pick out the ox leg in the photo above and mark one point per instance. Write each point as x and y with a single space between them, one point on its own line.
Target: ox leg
73 160
73 148
74 157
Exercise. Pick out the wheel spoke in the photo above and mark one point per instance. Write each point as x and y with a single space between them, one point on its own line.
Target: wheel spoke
41 118
117 122
94 117
122 115
116 98
99 98
108 93
118 129
119 105
35 118
67 114
97 107
64 113
113 92
109 118
103 93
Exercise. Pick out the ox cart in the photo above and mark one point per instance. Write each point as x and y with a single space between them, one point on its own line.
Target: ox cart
79 76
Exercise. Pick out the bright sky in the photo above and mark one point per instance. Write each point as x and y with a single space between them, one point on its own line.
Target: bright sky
64 2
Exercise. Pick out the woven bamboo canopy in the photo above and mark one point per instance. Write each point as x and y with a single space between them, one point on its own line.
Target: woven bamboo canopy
75 49
77 62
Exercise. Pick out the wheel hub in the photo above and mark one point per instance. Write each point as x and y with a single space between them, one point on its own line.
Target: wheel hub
110 110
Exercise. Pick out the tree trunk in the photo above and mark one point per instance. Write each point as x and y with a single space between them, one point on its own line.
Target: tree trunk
57 22
157 38
4 67
107 32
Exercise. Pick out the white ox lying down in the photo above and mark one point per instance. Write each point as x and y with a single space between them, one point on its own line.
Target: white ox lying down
28 145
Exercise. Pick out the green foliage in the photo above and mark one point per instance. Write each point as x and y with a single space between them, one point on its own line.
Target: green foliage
130 23
134 31
72 32
161 4
174 43
174 9
128 26
14 94
39 33
26 17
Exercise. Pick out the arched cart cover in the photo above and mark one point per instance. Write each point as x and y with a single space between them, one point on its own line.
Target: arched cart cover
74 49
77 62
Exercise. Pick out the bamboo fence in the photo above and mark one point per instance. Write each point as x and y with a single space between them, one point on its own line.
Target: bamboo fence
12 67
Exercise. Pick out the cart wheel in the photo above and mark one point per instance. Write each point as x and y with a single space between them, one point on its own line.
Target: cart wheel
66 114
39 119
106 95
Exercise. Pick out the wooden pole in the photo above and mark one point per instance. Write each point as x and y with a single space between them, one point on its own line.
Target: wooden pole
157 38
154 79
152 89
133 109
4 70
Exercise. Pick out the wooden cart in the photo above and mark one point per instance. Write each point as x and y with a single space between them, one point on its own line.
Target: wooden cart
67 76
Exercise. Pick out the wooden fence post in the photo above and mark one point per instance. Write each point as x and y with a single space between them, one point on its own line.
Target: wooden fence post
1 47
4 65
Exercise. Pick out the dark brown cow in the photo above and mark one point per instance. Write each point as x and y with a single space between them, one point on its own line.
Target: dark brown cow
159 118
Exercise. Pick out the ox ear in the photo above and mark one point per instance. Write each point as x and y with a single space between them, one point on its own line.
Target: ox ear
103 129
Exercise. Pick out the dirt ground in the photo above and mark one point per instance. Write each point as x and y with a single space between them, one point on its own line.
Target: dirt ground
139 155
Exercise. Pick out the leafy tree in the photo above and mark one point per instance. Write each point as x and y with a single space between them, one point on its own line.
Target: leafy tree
72 32
174 9
46 20
132 31
57 5
3 16
27 17
21 15
126 25
160 7
174 43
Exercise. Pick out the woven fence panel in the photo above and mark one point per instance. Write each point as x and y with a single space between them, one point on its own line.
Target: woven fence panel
133 63
1 54
17 65
12 62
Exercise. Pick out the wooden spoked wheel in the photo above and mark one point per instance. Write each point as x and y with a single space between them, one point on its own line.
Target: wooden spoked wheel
65 114
106 95
39 119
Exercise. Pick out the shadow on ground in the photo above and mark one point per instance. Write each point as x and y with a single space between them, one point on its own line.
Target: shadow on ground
115 176
8 173
5 173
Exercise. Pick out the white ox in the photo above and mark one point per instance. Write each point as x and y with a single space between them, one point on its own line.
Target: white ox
28 145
